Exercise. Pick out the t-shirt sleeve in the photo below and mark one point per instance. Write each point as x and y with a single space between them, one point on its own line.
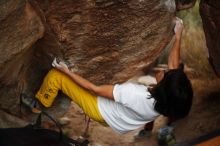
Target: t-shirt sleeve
125 94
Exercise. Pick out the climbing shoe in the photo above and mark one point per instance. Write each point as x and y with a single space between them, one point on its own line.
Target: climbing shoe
166 136
30 103
142 133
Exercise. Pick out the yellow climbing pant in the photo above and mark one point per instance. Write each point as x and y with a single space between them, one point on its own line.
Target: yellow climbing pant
55 81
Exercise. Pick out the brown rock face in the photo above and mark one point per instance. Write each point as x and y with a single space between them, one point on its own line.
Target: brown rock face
210 13
20 28
108 40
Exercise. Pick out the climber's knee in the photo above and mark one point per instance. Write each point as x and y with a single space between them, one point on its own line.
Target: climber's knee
50 87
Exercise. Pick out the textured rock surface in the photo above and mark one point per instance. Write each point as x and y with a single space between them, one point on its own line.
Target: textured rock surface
108 40
20 28
210 13
7 120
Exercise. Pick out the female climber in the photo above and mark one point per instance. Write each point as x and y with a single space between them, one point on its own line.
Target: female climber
127 106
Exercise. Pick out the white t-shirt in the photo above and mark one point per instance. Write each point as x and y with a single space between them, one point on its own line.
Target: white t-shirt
131 109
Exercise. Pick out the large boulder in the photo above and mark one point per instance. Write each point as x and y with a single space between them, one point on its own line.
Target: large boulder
210 13
108 41
20 28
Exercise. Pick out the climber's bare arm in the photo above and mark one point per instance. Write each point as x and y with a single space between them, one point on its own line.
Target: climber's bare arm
174 55
103 90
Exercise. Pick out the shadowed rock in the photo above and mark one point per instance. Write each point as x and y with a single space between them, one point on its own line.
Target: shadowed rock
210 13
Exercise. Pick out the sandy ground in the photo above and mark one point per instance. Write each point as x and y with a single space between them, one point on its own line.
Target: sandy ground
203 118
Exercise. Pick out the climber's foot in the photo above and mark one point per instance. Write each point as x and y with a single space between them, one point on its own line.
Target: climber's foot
30 103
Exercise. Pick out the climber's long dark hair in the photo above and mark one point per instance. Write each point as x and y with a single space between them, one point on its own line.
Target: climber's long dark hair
173 94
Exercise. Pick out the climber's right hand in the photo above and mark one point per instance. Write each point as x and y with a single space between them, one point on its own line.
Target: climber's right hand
178 27
60 66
